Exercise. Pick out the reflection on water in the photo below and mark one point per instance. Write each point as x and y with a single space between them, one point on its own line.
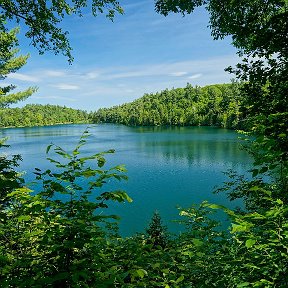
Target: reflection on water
167 166
193 145
196 152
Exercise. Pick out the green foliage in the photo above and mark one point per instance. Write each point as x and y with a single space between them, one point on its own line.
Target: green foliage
55 238
43 18
250 23
262 244
157 232
58 237
10 63
258 246
259 32
257 251
38 115
214 105
9 178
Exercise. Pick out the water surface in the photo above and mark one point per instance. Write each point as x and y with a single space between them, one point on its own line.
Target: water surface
167 166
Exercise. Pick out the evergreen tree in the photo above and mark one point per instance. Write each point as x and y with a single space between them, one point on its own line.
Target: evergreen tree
10 63
157 232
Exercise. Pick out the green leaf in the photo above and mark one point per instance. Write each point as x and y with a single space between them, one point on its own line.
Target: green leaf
249 243
239 228
89 173
24 218
101 161
279 201
48 148
180 279
126 197
243 284
212 206
141 273
156 265
53 161
75 152
197 242
166 271
120 168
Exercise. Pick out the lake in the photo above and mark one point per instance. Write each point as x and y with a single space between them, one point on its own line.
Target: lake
167 166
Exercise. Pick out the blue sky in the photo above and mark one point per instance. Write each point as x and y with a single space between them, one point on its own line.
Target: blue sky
117 62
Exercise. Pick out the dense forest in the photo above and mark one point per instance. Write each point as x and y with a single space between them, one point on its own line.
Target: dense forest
213 105
49 242
38 115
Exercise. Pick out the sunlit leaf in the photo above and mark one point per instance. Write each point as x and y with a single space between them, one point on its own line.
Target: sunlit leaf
250 242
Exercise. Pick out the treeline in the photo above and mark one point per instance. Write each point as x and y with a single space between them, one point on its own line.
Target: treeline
38 115
213 105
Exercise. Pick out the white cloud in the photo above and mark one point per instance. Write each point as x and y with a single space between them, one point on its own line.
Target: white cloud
195 68
178 74
65 86
23 77
92 75
114 85
54 98
55 73
195 76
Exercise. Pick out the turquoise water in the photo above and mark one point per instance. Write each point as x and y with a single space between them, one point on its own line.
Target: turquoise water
167 167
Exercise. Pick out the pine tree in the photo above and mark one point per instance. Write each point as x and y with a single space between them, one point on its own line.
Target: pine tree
157 232
10 63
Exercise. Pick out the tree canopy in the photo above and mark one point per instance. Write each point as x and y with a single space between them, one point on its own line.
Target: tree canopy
211 105
40 115
10 63
250 23
43 18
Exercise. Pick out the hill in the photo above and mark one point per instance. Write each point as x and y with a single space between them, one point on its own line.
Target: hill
213 105
38 115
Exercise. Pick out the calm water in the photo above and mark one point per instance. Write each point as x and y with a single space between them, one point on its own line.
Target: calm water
167 167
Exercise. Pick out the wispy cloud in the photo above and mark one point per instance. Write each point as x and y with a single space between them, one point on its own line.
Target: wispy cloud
54 73
195 68
65 86
54 98
23 77
178 74
92 75
195 76
94 87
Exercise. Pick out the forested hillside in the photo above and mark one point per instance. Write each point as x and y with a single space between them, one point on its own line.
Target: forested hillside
213 105
35 114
